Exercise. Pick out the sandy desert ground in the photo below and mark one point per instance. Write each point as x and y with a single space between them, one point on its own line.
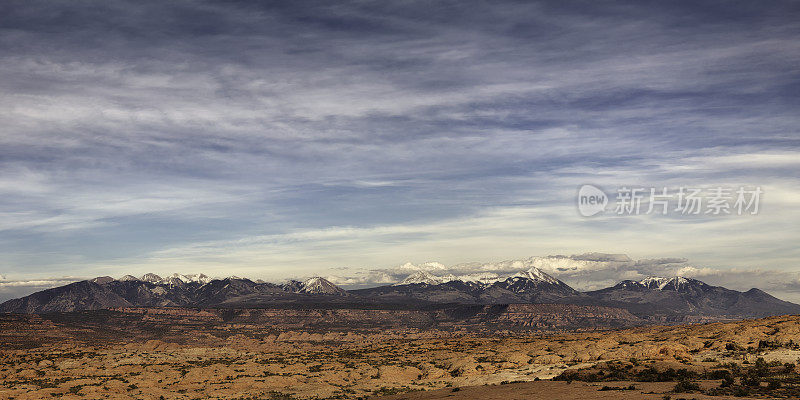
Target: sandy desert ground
188 356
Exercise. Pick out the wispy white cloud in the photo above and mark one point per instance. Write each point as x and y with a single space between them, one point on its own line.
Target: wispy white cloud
594 271
289 137
10 289
38 283
588 271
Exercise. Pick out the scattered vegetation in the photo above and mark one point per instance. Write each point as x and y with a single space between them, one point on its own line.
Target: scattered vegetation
686 386
605 388
759 378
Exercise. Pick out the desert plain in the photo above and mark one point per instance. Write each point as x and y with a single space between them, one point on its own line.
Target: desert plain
202 354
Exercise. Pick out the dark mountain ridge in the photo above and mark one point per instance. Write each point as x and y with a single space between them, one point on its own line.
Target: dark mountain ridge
512 290
101 293
656 300
671 299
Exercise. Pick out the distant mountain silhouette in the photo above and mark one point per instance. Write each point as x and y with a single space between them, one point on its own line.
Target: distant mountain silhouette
658 300
531 286
675 298
154 291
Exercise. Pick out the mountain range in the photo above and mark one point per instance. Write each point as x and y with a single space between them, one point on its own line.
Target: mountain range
152 290
531 286
672 299
654 299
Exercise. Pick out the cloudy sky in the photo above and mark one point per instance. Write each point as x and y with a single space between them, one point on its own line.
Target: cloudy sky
346 139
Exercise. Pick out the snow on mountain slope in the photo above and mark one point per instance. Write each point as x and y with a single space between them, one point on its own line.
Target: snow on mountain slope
536 274
174 279
319 285
199 278
676 283
152 278
484 279
481 278
421 277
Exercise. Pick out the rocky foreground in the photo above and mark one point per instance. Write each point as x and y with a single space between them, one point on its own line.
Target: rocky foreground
200 354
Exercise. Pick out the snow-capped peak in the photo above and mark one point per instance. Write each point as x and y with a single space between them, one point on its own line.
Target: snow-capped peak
536 274
661 283
319 285
421 277
129 278
480 278
174 279
654 282
199 278
152 278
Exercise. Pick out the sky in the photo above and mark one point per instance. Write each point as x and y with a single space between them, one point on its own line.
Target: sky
362 140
